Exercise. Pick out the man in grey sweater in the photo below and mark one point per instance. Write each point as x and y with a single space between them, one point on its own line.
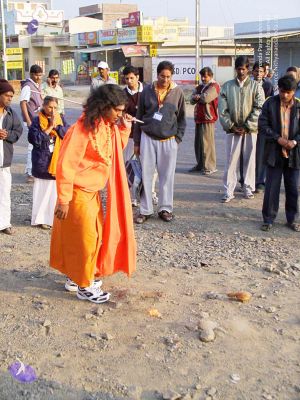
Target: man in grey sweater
162 110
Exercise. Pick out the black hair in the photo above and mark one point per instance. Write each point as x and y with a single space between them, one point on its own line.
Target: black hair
257 64
100 100
292 69
165 65
53 72
240 61
206 70
130 70
265 64
287 83
47 100
36 69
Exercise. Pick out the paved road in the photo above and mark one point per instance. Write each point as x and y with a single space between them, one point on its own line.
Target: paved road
186 158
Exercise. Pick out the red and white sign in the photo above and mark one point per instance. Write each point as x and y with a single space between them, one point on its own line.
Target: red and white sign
134 19
135 50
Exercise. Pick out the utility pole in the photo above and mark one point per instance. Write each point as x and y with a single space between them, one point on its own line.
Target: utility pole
3 41
197 36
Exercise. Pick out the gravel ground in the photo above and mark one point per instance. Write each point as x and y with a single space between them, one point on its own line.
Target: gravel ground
171 331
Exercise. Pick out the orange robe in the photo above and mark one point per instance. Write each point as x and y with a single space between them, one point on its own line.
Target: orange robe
76 247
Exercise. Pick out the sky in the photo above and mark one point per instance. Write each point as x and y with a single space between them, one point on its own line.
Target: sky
212 12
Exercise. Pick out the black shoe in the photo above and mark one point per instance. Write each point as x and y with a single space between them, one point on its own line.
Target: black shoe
195 169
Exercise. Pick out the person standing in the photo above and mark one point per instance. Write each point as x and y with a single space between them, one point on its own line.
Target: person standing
295 73
10 131
30 102
103 77
53 88
267 84
240 102
258 73
279 122
205 96
45 134
91 157
162 109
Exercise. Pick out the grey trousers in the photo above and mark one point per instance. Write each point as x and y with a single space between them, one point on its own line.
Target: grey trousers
234 150
161 155
205 150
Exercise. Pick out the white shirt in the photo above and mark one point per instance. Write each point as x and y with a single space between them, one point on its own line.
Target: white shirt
25 92
1 141
132 92
241 83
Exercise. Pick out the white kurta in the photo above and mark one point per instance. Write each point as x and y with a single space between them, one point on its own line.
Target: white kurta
43 202
5 188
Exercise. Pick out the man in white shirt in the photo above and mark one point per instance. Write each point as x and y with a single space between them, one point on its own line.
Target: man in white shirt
30 102
103 77
52 88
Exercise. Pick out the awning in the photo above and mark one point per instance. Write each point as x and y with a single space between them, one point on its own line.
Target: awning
97 49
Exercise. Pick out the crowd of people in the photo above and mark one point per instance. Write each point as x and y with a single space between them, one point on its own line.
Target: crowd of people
70 166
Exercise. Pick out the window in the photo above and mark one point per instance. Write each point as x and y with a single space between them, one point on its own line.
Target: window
224 61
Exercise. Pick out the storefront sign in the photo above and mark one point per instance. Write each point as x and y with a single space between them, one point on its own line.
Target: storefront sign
135 51
144 34
14 50
134 19
14 65
115 75
85 38
82 39
14 58
153 50
127 35
108 36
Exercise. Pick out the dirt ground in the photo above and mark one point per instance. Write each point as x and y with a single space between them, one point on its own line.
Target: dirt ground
145 344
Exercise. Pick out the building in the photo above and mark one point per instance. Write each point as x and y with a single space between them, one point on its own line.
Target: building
276 41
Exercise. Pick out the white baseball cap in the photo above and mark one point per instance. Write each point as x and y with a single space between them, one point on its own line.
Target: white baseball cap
103 65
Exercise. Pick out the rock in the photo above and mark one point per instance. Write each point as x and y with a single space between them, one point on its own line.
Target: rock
88 316
271 310
214 296
187 396
198 386
206 324
171 395
207 336
107 336
190 235
211 391
204 314
235 378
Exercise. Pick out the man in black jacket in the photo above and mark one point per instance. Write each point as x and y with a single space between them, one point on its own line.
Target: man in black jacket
10 131
279 122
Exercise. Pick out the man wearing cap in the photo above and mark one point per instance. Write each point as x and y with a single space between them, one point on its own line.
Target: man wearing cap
10 131
103 77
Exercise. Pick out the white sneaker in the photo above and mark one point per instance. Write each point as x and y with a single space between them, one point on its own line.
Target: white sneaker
93 294
71 286
227 198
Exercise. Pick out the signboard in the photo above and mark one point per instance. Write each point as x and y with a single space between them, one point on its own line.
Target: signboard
91 38
144 34
32 26
127 35
14 65
81 39
135 50
134 19
115 75
14 50
108 36
153 50
184 71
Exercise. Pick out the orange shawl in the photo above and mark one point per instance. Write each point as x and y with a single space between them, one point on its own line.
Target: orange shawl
118 249
44 124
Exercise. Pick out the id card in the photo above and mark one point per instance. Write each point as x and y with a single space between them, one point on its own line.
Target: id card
158 116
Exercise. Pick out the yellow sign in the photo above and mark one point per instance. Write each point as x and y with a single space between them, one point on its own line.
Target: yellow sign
144 34
14 65
153 50
14 50
115 75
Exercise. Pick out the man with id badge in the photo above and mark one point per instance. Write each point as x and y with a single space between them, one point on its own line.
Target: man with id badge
162 110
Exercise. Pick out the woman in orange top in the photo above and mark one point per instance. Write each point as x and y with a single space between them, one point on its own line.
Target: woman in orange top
84 245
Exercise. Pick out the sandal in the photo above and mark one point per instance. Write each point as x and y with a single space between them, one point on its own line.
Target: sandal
266 227
293 226
165 216
141 218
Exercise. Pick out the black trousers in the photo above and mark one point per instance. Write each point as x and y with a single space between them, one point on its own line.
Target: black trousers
272 192
199 148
